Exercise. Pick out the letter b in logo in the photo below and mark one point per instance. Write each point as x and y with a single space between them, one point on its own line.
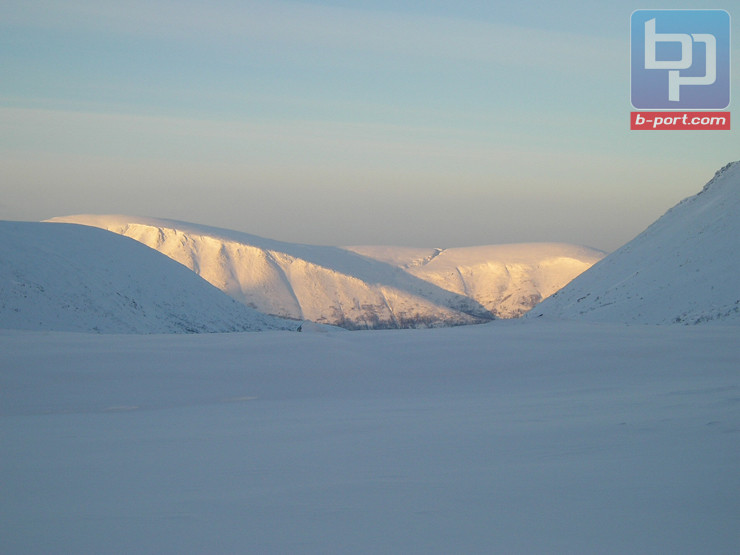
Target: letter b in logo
680 59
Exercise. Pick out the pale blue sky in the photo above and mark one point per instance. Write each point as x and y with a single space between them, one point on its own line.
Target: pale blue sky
427 123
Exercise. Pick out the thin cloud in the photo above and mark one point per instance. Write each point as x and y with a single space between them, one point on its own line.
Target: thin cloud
308 143
341 30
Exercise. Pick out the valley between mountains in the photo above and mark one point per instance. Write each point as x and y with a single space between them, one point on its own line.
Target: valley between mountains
366 287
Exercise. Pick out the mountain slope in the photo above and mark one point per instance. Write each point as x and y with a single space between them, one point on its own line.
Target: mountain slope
684 268
508 280
358 287
67 277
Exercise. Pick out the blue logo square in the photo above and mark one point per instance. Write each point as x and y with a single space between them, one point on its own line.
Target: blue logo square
680 59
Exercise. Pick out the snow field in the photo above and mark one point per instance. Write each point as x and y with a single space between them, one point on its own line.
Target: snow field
512 437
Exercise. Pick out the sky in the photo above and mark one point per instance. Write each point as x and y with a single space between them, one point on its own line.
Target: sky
429 123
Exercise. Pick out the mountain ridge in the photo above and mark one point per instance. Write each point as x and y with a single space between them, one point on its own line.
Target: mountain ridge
356 287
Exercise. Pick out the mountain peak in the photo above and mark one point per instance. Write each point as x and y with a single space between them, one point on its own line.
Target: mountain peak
682 269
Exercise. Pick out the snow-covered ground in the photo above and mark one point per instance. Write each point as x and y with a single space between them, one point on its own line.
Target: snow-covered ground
361 287
521 436
511 437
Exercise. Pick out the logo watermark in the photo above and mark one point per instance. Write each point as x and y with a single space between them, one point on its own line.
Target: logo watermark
680 60
709 121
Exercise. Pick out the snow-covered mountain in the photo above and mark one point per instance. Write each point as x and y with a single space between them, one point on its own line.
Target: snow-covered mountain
684 268
68 277
361 287
508 280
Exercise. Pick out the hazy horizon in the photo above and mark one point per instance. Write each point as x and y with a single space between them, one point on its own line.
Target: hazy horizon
341 123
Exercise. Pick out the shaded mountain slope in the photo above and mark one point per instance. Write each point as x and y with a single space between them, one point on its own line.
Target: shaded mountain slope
684 268
67 277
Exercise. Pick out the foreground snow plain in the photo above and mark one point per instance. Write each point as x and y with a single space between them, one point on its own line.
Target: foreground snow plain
510 437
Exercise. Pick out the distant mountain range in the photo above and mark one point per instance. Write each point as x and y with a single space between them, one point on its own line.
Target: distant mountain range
361 287
67 275
683 269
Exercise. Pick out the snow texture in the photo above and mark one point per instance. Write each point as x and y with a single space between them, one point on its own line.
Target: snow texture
512 437
683 269
508 280
68 277
361 287
518 436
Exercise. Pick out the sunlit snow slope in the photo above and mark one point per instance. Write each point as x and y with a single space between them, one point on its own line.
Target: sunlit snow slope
361 287
507 280
67 277
684 268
